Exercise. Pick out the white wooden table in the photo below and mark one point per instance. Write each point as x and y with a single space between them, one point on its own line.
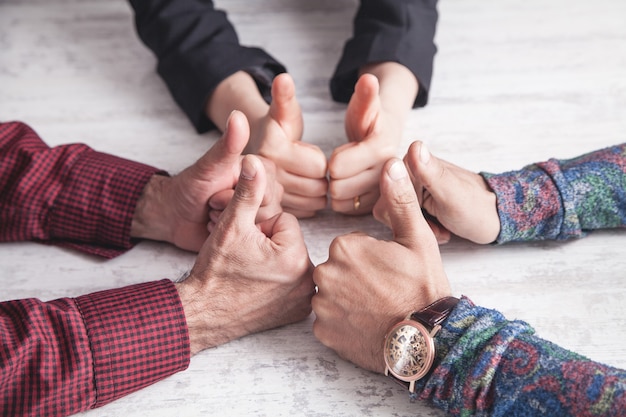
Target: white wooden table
516 81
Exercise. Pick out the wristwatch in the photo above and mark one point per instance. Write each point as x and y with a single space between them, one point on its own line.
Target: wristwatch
409 345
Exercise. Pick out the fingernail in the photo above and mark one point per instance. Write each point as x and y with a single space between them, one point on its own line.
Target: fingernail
397 171
248 168
442 241
424 154
228 120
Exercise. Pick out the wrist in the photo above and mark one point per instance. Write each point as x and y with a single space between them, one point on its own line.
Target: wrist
236 92
487 226
428 297
410 350
148 219
398 87
209 325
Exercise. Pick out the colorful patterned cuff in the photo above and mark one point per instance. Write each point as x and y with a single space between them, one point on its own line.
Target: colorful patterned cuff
529 204
460 346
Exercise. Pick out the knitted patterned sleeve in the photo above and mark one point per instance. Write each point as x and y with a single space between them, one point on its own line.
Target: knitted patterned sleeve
561 199
489 366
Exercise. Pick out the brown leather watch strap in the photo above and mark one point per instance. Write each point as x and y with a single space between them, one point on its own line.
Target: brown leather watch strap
436 313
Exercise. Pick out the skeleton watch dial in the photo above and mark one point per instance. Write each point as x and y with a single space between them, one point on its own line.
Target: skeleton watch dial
409 351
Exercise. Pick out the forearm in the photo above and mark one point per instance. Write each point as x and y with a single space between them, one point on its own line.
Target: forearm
561 199
237 92
69 355
197 48
389 31
68 195
492 366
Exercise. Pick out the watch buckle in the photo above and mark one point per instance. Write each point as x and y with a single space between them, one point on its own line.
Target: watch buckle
410 385
435 330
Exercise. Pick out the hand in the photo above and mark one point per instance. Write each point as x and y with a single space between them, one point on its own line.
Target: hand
460 200
374 135
300 166
270 205
367 285
247 277
177 209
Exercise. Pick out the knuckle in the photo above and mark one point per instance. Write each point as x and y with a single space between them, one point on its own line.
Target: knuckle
319 332
405 198
334 190
279 191
335 247
298 264
321 166
243 193
319 188
319 275
317 203
337 206
341 245
334 167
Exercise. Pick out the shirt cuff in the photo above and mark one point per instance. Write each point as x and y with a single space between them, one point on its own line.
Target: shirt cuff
138 335
389 31
193 77
472 339
95 207
529 204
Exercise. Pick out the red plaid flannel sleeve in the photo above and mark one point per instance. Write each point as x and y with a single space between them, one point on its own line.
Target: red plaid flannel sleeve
69 195
69 355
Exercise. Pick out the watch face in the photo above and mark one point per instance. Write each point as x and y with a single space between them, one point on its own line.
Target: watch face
409 351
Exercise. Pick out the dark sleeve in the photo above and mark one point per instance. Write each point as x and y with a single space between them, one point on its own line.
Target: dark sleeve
197 48
69 195
399 31
72 354
562 199
490 366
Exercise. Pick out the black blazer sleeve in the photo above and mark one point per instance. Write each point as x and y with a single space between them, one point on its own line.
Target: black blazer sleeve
196 48
400 31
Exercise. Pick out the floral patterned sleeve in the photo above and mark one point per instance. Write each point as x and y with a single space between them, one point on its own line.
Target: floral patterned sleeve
561 199
489 366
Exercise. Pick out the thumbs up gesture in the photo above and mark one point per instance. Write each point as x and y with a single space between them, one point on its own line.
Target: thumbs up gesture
460 200
248 277
183 209
367 285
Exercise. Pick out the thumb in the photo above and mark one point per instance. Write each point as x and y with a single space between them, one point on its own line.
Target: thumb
284 106
245 203
403 210
228 148
363 108
365 99
429 174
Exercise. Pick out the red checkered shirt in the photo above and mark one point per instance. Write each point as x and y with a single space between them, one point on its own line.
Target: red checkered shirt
68 355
